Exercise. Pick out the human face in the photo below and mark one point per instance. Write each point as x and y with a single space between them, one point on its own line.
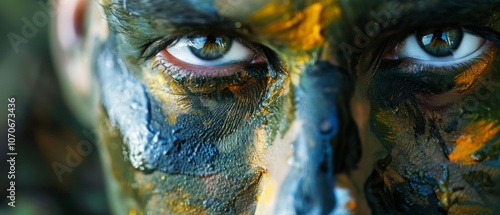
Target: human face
230 106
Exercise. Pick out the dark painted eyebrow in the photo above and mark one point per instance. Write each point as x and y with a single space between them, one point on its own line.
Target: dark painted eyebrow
449 11
412 15
144 20
175 11
205 11
419 12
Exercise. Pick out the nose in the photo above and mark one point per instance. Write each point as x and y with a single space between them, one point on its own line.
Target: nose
321 98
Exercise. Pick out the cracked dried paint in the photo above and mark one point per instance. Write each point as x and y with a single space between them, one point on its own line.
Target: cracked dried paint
236 169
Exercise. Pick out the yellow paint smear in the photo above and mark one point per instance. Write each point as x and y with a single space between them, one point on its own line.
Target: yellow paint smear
301 28
386 117
475 136
178 203
257 152
171 95
132 211
104 2
268 190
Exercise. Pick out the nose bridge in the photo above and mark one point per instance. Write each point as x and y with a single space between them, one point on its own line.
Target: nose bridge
309 185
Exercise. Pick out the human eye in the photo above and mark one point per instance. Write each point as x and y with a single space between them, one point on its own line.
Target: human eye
439 46
205 60
209 55
433 61
210 51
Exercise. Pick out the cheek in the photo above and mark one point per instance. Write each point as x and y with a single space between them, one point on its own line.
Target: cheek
214 111
446 134
229 123
437 142
173 99
475 137
406 116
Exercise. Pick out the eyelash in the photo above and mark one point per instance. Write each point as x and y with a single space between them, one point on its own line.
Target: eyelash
399 80
491 37
175 72
155 46
414 67
207 85
152 51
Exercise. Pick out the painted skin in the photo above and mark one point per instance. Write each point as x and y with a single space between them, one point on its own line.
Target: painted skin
325 105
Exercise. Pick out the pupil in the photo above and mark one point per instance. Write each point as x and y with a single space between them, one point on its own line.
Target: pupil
211 39
209 47
440 42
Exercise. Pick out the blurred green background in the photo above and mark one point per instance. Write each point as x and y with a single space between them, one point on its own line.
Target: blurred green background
44 128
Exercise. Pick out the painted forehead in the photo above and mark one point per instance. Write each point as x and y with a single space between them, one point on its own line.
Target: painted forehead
209 11
288 26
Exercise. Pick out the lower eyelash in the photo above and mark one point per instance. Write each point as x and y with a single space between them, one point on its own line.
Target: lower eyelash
197 83
484 55
172 64
401 79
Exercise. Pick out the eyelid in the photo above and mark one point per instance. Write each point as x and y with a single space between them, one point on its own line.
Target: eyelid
237 53
155 46
484 53
211 78
470 47
197 71
488 34
475 54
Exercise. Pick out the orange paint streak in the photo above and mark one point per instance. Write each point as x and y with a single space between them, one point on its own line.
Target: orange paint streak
351 205
391 177
467 79
241 91
475 136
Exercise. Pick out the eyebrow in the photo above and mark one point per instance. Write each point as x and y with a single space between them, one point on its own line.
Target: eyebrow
204 12
164 18
447 11
142 19
412 15
175 11
419 12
